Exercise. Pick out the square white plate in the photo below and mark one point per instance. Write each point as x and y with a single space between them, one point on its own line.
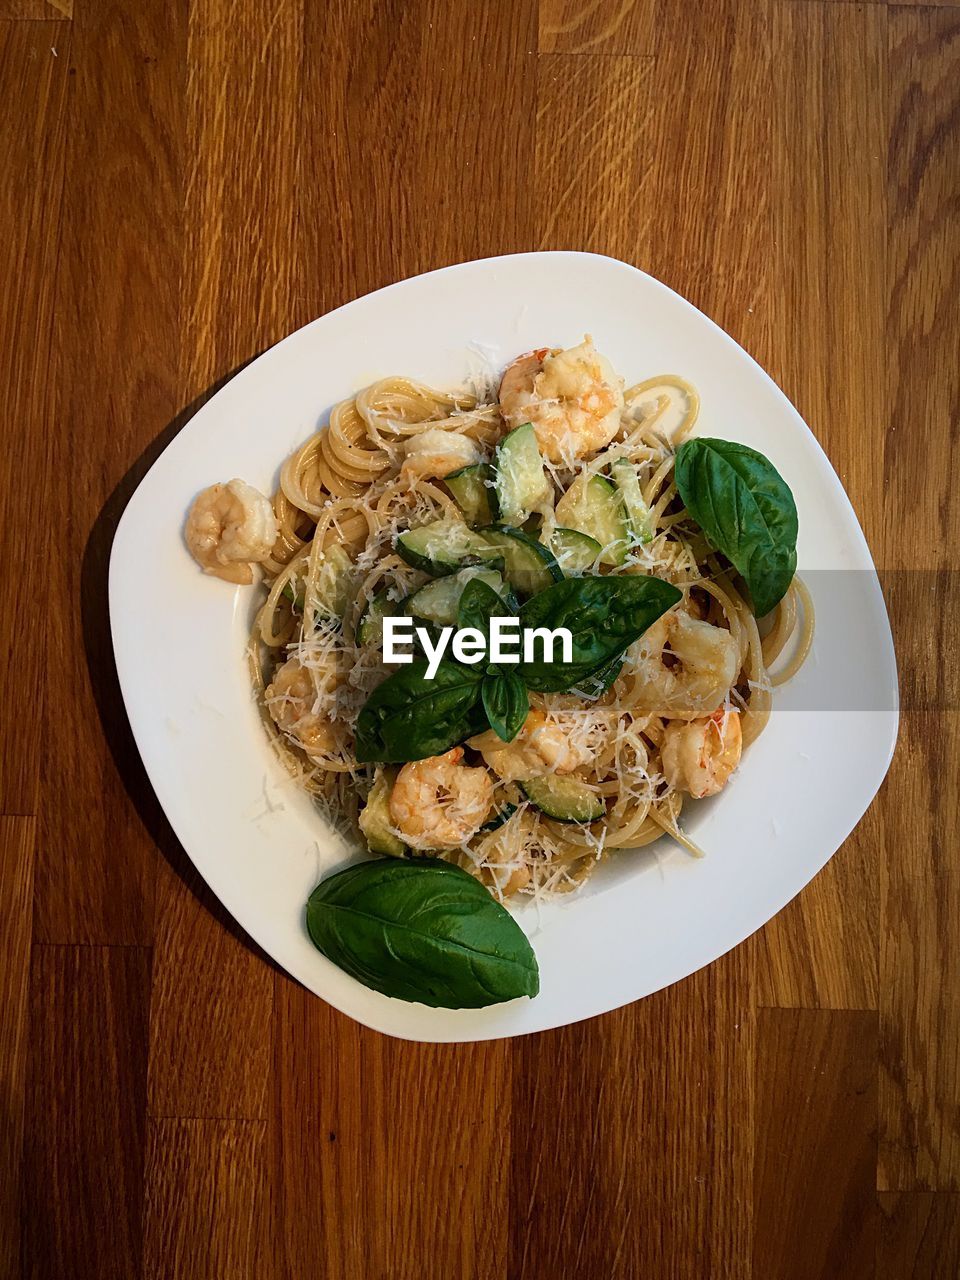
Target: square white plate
646 919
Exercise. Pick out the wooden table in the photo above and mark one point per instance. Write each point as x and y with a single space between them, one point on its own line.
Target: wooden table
181 184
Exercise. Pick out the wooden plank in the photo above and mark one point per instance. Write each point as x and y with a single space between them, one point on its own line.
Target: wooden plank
595 26
709 232
373 1135
207 1210
319 1116
116 342
826 284
241 156
241 146
17 837
920 1009
924 308
828 281
35 10
463 1142
920 873
211 986
632 1136
620 171
814 1201
427 151
84 1134
820 952
611 156
32 142
919 1236
898 3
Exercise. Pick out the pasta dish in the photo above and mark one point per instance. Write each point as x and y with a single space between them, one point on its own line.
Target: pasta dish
556 495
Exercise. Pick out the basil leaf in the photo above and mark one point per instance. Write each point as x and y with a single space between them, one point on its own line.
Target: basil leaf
603 615
505 702
479 603
409 717
745 509
421 929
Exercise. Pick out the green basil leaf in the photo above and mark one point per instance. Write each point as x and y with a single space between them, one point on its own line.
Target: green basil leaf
423 930
479 603
604 616
505 702
746 511
409 717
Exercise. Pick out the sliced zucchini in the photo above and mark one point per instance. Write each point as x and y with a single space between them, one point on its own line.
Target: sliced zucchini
473 489
576 552
375 822
502 815
520 482
370 626
334 585
566 799
639 515
528 565
592 506
444 546
438 601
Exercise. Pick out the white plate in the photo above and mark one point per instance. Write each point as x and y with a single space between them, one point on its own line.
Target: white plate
646 919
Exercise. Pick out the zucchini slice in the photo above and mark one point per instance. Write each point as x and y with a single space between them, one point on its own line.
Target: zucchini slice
592 506
639 515
501 815
528 565
473 489
437 602
334 585
374 819
566 799
370 626
444 546
576 552
520 482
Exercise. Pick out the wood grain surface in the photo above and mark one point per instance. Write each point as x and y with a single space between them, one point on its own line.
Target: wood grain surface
185 181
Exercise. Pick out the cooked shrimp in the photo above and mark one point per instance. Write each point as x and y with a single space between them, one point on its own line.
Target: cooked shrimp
704 665
700 755
541 747
439 803
436 452
230 527
573 398
292 700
